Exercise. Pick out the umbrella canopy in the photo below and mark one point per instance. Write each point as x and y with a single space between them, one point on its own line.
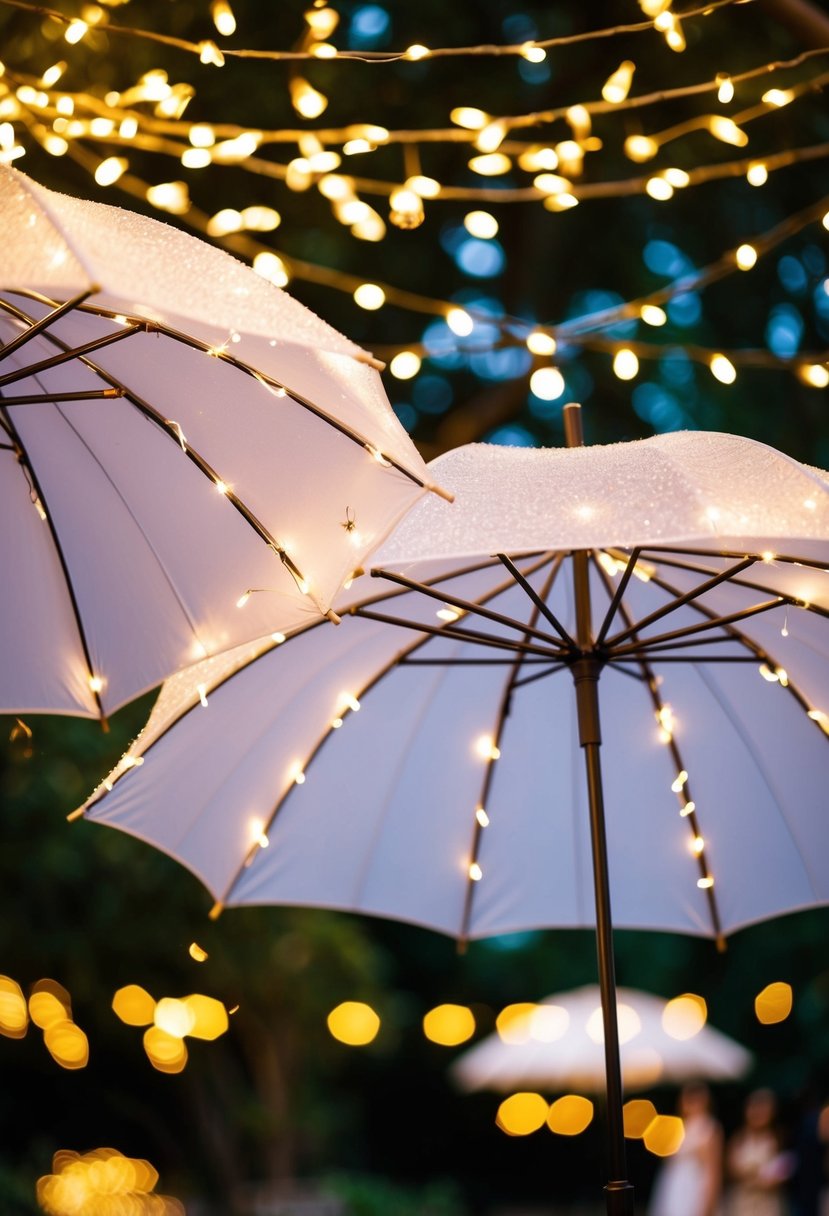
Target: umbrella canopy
435 777
455 797
142 371
559 1045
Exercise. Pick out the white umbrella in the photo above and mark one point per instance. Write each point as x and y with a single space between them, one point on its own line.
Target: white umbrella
142 370
559 1045
455 798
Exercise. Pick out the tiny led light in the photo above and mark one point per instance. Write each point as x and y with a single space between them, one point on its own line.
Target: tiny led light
370 296
201 689
722 369
617 85
652 314
96 683
475 872
681 779
448 614
778 97
745 257
725 89
540 343
625 364
757 174
816 375
727 131
297 774
658 188
405 365
482 817
697 845
480 224
486 749
243 599
469 117
705 884
460 322
351 701
688 809
221 486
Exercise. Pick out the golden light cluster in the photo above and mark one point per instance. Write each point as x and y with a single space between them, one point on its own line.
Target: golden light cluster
169 1022
353 1023
49 1007
150 116
103 1182
449 1025
522 1114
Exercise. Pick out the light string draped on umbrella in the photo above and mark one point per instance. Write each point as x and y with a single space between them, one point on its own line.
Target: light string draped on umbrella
373 814
110 321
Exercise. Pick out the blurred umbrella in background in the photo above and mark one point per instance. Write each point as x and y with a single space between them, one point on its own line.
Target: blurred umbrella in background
434 776
175 431
559 1044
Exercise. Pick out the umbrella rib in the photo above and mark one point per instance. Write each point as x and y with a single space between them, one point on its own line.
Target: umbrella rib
268 381
38 327
452 631
49 398
688 807
23 373
717 622
538 601
36 490
820 719
733 553
201 464
617 597
399 658
303 629
481 819
681 600
465 605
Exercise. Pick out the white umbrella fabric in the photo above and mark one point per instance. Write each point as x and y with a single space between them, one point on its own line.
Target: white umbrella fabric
686 574
174 431
559 1045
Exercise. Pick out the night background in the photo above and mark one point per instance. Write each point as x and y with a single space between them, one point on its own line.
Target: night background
277 1100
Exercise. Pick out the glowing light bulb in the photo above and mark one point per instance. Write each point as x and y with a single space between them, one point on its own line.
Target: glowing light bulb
306 100
475 872
209 53
370 296
486 749
109 170
617 86
417 51
201 689
271 267
448 614
652 314
688 809
778 97
490 164
222 487
551 184
480 224
697 845
96 683
297 774
491 136
659 189
757 174
561 202
745 257
625 364
677 178
727 131
705 884
482 817
816 375
75 32
279 638
223 18
469 117
351 701
533 53
541 343
640 148
723 369
460 322
405 365
681 779
547 383
725 88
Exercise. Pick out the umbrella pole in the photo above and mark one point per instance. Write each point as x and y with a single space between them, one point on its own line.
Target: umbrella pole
586 672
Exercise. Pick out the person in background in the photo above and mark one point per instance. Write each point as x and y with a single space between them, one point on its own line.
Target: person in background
689 1182
811 1131
756 1165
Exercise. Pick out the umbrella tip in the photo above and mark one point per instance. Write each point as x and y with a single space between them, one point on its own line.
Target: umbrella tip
722 944
73 815
441 493
104 724
333 617
216 911
364 357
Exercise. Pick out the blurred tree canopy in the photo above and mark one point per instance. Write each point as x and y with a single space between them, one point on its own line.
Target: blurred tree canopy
95 910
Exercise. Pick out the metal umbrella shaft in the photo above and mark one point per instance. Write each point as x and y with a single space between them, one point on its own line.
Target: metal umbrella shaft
586 672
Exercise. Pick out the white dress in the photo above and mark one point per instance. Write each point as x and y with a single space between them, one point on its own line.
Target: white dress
683 1185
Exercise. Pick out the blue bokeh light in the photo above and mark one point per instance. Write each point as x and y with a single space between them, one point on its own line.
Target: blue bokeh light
511 435
656 405
784 330
792 274
685 309
666 259
432 394
370 25
480 259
